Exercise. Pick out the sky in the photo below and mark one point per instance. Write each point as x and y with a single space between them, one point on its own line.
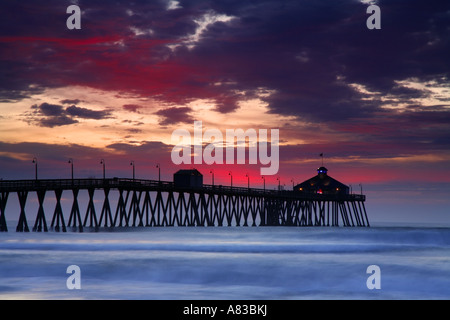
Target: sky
375 102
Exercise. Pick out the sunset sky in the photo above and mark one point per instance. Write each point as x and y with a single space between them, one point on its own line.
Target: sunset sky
376 103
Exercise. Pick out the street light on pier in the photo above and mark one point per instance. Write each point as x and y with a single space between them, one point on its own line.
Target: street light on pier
35 168
248 181
264 179
132 164
71 165
102 161
212 173
159 172
231 176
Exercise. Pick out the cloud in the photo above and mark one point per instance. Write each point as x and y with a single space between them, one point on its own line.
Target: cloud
173 4
87 113
318 59
51 110
174 115
49 115
71 101
203 23
53 115
132 107
144 148
297 49
134 130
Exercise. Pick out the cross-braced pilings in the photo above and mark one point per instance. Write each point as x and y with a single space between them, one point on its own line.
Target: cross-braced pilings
149 203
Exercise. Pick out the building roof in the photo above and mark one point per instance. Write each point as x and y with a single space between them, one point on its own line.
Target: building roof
189 172
322 181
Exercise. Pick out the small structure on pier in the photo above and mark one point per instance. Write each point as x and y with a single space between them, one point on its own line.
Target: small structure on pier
188 178
322 183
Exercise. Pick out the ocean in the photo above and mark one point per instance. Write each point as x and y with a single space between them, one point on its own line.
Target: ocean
264 263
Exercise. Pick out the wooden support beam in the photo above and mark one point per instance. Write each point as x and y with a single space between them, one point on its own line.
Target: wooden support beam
349 211
178 210
170 207
186 221
3 200
357 204
22 226
336 214
58 214
106 211
253 209
328 213
204 210
207 203
147 209
165 207
121 210
90 211
365 214
357 216
158 206
344 216
233 211
310 212
321 217
135 208
221 213
40 218
75 216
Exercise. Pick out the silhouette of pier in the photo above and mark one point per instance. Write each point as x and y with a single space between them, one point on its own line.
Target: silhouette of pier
150 203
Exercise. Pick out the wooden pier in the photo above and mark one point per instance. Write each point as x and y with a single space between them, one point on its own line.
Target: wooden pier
150 203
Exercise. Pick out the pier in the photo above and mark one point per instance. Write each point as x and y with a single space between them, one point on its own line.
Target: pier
151 203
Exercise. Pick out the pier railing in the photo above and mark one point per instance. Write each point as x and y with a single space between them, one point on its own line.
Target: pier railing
140 184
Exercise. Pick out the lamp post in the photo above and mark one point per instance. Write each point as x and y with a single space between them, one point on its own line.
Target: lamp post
35 168
102 161
132 164
71 165
264 179
248 181
231 176
360 185
159 171
292 180
212 176
279 184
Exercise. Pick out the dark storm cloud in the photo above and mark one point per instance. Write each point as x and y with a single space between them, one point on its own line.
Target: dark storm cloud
50 110
175 115
49 115
52 115
85 113
71 101
307 52
132 107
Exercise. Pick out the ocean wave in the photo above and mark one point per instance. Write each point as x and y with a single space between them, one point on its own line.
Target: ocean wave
335 241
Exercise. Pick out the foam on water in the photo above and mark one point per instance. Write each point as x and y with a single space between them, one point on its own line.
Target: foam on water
228 263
